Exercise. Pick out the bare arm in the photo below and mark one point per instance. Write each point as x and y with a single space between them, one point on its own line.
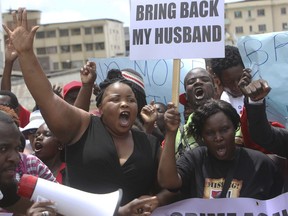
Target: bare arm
10 56
149 115
168 176
65 121
88 77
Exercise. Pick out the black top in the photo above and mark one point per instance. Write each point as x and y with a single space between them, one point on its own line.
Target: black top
203 176
93 164
272 138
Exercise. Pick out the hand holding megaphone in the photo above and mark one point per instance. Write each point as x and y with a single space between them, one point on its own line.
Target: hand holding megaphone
69 201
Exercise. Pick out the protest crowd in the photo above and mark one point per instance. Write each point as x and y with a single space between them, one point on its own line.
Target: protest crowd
225 148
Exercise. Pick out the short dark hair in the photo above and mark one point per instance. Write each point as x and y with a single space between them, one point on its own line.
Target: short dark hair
232 58
13 99
210 108
192 70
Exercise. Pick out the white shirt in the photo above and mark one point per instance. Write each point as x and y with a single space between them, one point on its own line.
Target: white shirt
237 103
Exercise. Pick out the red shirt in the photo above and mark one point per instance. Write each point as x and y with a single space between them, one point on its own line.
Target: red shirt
24 116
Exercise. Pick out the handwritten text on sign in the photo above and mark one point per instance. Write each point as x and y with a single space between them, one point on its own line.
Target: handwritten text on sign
267 56
157 74
176 29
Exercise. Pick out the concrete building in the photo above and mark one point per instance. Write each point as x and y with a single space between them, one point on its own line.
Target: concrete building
255 17
63 46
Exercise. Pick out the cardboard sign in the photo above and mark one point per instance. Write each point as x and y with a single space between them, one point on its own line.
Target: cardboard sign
267 56
176 29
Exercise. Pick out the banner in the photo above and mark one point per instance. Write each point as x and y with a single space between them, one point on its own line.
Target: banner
277 206
267 56
166 29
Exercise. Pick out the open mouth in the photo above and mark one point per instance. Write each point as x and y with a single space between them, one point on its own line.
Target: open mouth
124 118
221 151
38 147
199 93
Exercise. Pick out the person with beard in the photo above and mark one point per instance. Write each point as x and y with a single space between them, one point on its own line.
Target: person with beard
219 169
10 158
199 87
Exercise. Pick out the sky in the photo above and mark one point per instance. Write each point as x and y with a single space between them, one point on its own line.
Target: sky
55 11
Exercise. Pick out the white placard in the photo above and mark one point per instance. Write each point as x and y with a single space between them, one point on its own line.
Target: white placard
277 206
176 29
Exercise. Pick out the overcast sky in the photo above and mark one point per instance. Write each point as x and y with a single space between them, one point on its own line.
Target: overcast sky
54 11
73 10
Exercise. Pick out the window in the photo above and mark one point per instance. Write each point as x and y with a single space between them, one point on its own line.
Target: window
261 12
262 28
63 32
76 31
41 51
51 50
249 14
66 64
100 46
238 14
77 64
55 65
89 47
65 49
250 28
283 11
88 31
284 26
98 29
50 34
77 48
239 29
40 34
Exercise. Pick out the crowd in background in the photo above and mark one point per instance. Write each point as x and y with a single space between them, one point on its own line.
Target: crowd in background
138 146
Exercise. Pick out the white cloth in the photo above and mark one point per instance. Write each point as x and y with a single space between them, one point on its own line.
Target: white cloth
237 103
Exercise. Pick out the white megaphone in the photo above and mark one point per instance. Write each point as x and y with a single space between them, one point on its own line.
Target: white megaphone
69 201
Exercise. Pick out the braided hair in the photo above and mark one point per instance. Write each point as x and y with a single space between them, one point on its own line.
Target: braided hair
113 76
210 108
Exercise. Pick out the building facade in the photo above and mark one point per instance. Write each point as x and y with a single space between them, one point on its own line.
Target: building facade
63 46
255 17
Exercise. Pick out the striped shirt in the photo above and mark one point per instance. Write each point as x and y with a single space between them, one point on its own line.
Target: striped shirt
32 165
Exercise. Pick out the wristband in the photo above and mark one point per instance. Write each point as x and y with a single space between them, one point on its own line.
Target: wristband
256 102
